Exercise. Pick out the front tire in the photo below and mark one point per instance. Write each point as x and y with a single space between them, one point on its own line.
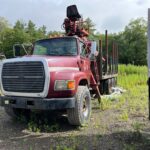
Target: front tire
80 115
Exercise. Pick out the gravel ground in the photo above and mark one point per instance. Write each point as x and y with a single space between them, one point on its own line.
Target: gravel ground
104 132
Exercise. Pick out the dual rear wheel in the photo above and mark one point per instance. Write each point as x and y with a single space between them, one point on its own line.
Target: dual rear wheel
107 85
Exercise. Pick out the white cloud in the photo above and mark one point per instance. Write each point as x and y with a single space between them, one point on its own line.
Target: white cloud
106 14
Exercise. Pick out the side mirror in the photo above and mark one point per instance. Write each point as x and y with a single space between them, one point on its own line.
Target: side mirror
22 49
94 51
2 57
28 47
19 50
93 47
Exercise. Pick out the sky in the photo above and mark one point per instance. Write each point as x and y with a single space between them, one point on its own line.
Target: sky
112 15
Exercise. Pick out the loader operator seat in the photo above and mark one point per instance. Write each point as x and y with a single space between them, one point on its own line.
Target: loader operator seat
72 13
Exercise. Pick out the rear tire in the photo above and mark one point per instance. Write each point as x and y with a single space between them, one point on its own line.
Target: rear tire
108 86
80 115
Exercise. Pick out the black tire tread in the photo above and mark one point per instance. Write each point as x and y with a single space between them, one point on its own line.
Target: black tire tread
73 114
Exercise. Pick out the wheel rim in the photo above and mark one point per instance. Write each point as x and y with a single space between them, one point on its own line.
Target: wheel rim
85 108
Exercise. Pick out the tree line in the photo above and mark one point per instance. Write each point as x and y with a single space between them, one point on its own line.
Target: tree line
132 41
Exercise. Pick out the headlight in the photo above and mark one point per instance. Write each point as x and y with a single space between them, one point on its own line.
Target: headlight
64 85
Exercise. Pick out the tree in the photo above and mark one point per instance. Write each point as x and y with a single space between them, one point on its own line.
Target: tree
31 30
122 50
20 33
34 33
31 27
19 25
55 34
3 24
90 26
135 41
41 32
11 37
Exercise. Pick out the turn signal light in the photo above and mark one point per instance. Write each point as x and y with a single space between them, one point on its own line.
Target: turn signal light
71 85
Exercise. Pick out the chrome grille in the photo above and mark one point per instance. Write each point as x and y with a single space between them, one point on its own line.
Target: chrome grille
25 77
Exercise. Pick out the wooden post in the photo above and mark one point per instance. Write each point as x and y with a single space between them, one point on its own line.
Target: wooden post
113 50
100 59
148 58
106 50
117 58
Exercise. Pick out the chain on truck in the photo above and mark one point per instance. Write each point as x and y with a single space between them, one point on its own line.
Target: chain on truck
62 73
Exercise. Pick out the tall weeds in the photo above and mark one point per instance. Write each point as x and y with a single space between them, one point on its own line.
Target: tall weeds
131 76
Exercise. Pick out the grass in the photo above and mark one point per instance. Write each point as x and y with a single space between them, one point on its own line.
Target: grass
134 101
129 147
134 80
124 116
63 148
39 124
131 69
34 126
137 127
132 106
131 76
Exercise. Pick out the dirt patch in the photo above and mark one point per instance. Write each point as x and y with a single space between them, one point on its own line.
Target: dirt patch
105 131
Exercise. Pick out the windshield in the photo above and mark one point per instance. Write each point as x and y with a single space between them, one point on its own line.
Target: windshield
56 47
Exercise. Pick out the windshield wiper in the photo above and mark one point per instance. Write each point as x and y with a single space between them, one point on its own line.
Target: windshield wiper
52 54
68 55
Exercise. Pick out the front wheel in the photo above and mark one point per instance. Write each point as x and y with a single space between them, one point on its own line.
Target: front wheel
80 115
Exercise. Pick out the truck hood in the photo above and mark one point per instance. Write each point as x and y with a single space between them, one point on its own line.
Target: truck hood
60 61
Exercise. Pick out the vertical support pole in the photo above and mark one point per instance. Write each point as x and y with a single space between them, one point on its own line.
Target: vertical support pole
100 59
113 58
117 57
110 62
148 59
106 47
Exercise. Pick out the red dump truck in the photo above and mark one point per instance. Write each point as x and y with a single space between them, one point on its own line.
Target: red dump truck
61 73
